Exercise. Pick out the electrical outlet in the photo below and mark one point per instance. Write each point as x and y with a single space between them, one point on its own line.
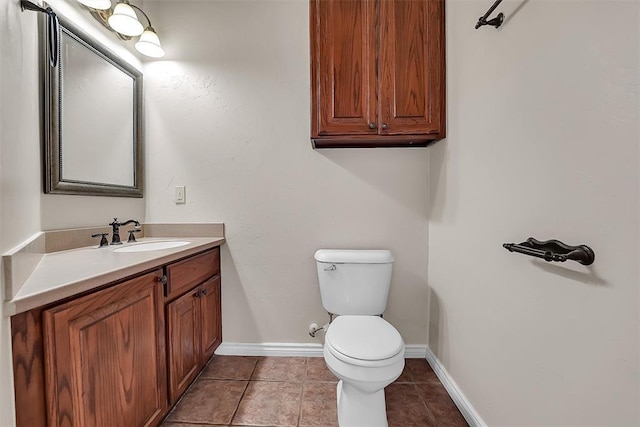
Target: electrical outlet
180 194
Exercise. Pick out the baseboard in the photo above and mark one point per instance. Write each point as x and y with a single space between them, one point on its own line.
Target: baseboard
270 349
415 351
463 404
412 351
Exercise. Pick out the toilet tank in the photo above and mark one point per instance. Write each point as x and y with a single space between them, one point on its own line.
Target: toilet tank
354 281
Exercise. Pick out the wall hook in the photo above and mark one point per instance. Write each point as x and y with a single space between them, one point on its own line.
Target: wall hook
52 28
495 22
553 250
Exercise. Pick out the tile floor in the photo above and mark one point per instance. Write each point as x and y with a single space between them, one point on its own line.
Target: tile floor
297 391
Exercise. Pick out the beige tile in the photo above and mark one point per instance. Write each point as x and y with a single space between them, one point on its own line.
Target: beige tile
268 403
230 367
437 399
209 401
416 399
405 408
405 376
319 405
420 370
71 238
171 424
317 370
280 369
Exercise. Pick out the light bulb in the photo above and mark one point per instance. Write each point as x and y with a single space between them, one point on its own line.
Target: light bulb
125 21
149 44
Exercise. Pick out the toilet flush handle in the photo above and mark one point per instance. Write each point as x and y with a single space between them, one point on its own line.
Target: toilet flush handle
332 267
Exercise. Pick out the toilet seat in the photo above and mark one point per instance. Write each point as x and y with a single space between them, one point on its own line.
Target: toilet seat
364 340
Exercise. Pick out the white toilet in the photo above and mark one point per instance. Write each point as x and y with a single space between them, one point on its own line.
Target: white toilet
362 349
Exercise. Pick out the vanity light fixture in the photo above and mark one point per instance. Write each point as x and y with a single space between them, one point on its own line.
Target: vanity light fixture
124 21
149 44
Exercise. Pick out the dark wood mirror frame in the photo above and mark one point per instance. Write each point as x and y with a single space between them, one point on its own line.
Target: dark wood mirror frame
54 182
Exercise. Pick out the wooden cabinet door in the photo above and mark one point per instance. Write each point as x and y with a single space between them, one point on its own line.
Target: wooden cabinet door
183 347
377 73
105 358
411 91
211 324
343 78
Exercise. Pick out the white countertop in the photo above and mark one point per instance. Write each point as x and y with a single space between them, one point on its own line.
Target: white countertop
63 274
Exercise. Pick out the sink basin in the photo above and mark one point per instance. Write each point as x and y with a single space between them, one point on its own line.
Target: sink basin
152 246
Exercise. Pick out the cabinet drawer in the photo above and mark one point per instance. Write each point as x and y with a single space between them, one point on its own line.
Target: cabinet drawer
186 274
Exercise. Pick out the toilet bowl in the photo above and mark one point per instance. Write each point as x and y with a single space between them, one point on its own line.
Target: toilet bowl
366 354
361 348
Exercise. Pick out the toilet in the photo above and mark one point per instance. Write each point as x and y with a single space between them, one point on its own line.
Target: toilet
364 351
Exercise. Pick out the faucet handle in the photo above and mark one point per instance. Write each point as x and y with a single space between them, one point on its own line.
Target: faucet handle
132 238
103 240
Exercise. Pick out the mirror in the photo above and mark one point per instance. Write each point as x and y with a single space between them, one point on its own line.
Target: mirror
92 118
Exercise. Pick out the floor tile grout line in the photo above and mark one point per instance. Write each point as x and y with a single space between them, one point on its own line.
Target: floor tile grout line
246 387
302 389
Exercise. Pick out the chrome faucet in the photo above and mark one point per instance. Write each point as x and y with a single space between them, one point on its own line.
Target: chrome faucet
115 235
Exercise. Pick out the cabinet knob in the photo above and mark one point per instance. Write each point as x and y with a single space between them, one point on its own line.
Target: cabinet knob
163 280
204 291
198 294
384 126
372 125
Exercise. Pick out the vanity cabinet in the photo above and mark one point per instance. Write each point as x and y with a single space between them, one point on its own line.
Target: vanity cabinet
104 356
377 72
121 355
194 329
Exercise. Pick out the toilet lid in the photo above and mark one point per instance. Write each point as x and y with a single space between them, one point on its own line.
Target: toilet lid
364 337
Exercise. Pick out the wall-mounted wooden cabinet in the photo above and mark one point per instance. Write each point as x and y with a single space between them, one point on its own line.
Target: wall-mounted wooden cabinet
377 73
122 355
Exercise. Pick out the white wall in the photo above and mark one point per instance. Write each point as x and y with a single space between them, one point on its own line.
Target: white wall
19 158
543 141
228 116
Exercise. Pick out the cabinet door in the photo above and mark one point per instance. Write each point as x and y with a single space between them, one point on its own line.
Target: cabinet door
183 345
343 40
411 91
210 317
105 359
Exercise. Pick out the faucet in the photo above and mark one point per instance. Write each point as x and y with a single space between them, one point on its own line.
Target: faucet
115 236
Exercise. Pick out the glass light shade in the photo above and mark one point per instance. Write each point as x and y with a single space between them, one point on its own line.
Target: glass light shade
149 44
97 4
125 21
